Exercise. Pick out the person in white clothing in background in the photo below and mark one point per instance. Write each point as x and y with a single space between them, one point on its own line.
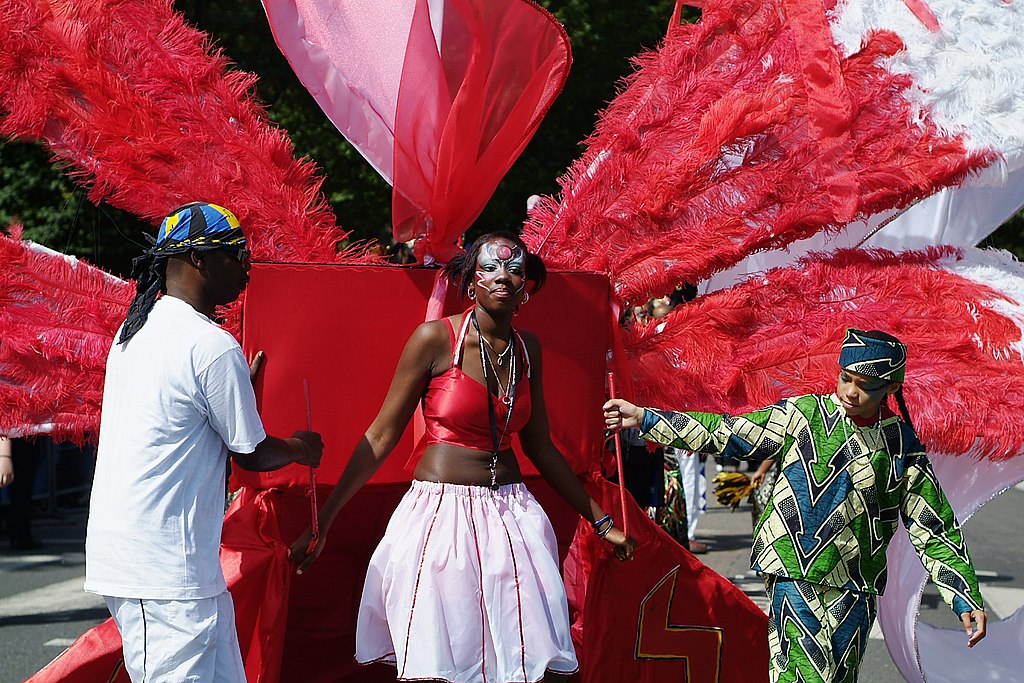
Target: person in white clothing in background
694 487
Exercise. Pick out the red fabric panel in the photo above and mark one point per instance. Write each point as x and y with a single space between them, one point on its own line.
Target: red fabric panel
472 94
94 656
255 562
335 327
324 601
664 616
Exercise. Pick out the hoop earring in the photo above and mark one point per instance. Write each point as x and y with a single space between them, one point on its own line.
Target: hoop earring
526 298
471 292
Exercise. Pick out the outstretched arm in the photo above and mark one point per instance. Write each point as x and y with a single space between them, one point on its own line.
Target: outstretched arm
535 438
756 435
415 368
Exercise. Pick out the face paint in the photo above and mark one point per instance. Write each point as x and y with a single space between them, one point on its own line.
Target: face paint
498 260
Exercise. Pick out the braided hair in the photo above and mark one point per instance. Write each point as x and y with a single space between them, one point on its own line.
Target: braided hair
461 270
900 401
150 274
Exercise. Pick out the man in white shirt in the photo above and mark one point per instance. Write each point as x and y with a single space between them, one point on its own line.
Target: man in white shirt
178 403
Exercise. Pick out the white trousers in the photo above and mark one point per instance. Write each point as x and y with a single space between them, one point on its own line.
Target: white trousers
179 641
691 474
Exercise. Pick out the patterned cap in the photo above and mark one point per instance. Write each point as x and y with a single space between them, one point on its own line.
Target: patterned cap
873 357
199 225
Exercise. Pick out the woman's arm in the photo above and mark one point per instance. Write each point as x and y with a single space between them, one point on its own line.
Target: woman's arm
535 438
414 370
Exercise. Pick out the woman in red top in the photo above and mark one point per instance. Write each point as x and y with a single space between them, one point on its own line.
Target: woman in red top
465 585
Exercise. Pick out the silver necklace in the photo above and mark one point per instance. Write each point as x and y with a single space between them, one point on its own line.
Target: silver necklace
504 390
500 357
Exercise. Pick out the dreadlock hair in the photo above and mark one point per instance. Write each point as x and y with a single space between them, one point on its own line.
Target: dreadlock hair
460 271
900 401
150 275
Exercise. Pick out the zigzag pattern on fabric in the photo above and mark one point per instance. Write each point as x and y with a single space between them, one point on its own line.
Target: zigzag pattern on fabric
842 492
816 634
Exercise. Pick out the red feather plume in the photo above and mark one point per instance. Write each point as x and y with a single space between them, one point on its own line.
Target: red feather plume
150 116
58 316
740 134
749 346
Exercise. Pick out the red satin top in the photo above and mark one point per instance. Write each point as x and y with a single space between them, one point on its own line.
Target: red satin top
455 404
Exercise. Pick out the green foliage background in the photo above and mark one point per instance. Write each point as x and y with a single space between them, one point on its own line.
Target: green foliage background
604 35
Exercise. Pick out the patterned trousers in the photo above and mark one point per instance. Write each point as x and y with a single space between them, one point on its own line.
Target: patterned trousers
816 634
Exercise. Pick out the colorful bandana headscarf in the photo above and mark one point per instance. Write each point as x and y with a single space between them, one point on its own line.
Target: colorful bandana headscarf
873 357
194 226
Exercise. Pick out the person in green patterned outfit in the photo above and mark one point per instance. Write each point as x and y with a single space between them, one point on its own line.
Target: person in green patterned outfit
850 470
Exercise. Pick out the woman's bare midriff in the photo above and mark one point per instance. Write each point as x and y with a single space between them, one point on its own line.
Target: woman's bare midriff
447 464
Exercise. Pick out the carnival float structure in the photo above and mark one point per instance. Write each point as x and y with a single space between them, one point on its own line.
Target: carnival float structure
803 135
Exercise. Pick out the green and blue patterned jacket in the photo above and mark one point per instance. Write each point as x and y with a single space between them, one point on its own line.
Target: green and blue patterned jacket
841 492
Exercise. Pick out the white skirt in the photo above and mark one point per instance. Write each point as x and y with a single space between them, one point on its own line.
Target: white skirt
465 587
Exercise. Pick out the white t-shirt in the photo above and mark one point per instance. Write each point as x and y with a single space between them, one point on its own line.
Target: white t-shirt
177 397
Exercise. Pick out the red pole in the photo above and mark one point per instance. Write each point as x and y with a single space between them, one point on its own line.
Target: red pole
313 508
618 460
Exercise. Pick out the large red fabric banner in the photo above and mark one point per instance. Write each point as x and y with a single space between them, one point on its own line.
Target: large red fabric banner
341 329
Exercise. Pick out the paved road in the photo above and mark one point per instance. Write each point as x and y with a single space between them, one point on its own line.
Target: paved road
42 605
43 609
993 534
